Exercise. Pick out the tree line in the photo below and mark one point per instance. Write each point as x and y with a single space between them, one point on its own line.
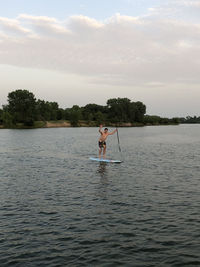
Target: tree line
23 108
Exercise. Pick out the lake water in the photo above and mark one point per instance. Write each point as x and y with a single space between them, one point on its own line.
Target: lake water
58 208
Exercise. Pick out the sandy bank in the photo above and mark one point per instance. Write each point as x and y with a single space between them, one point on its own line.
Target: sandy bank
57 124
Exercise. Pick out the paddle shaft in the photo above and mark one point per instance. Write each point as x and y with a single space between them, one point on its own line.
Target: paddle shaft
118 140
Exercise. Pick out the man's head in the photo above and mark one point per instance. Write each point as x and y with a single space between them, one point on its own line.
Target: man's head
105 130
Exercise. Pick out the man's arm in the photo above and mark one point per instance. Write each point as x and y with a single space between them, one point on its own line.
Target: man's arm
100 129
113 132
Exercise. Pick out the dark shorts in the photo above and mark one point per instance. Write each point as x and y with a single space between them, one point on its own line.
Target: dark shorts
102 144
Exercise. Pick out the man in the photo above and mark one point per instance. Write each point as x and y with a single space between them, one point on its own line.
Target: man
102 140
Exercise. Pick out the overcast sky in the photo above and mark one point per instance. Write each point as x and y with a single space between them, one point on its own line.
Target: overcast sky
87 51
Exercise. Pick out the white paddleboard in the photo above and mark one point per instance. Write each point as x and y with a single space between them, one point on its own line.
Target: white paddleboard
106 160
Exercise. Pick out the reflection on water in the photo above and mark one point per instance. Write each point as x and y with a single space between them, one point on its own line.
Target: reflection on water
102 169
104 180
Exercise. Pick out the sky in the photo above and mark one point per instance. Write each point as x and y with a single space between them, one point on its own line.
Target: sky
87 51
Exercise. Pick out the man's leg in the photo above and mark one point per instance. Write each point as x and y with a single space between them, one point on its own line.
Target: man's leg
100 150
104 151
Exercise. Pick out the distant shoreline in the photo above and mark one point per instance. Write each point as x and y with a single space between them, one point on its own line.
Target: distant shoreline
67 124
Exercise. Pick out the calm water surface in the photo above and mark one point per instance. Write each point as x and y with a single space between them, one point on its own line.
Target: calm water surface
58 208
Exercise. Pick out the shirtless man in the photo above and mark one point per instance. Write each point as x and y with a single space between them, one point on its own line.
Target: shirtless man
102 139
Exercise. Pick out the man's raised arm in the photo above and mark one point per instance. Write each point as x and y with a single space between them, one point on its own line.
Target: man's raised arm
100 128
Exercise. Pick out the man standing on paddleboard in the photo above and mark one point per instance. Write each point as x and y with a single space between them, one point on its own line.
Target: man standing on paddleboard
102 144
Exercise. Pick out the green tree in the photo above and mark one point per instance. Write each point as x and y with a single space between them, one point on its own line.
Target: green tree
47 110
7 119
140 111
90 110
99 117
123 110
1 116
67 114
115 109
75 115
61 114
175 120
152 119
132 112
42 109
22 106
53 106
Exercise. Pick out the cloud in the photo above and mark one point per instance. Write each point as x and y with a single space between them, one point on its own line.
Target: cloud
190 3
148 50
11 26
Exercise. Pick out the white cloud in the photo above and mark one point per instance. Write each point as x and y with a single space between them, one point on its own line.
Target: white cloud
42 24
85 22
12 26
121 50
191 3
